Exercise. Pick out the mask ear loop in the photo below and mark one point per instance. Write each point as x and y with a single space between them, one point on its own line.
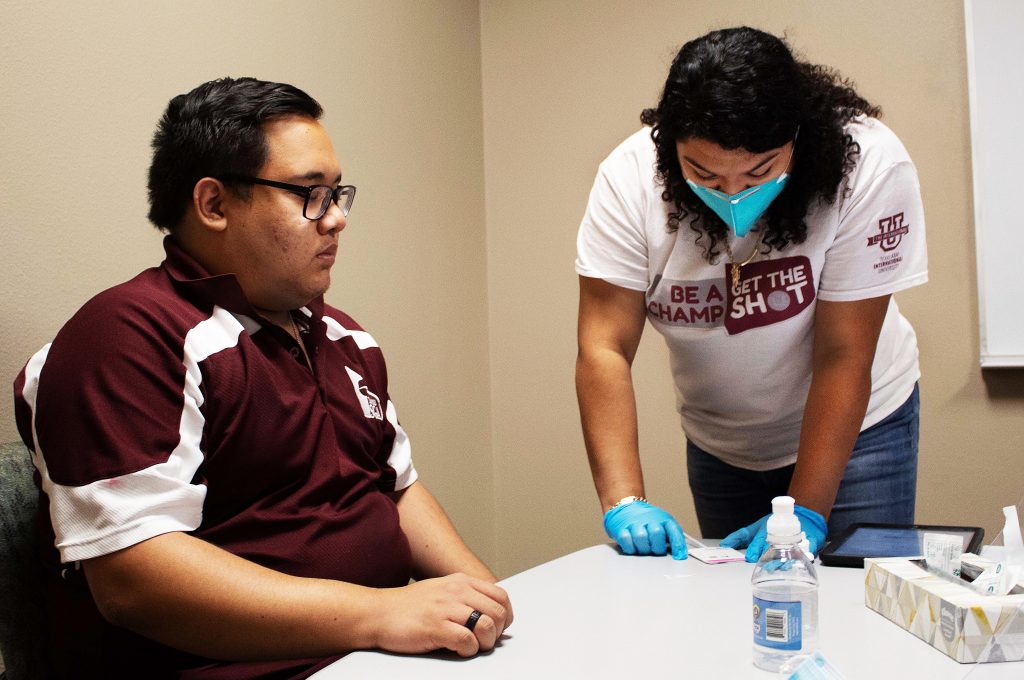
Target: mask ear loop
792 153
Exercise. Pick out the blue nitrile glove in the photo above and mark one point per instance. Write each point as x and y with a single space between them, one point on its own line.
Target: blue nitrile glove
755 536
644 529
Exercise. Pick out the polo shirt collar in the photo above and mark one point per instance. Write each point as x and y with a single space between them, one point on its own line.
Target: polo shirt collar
222 290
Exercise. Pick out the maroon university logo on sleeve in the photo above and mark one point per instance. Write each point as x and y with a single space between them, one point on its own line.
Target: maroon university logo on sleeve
890 232
769 292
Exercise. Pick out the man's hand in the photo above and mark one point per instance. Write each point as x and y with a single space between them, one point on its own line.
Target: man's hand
432 614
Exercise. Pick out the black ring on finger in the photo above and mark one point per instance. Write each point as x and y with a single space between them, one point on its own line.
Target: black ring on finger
474 616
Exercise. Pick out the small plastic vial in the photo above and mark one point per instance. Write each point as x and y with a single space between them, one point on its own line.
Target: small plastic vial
785 587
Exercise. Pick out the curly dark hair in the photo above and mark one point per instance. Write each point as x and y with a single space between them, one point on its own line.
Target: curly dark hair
742 88
216 130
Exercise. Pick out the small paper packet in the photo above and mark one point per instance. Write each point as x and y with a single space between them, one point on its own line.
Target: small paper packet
942 553
717 555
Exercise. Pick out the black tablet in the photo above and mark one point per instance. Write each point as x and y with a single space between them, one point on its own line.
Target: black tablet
862 540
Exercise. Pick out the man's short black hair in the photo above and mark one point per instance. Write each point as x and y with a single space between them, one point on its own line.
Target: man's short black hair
215 130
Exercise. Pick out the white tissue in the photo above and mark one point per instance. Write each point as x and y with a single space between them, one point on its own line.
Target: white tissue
1013 545
1001 577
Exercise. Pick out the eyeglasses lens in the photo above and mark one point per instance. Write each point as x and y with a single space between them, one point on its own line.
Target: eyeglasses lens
317 202
346 194
320 197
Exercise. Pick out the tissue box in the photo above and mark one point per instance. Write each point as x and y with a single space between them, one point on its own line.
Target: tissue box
950 616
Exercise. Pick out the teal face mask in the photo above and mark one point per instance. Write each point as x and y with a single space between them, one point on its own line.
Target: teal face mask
742 209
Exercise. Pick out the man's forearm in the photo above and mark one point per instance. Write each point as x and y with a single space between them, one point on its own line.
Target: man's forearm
191 595
437 548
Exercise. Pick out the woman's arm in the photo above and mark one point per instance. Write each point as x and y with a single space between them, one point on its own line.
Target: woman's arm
611 321
845 336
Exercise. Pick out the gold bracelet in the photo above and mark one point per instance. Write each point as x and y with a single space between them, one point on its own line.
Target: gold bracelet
626 501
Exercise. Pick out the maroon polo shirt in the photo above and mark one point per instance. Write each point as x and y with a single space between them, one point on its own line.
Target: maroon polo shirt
168 403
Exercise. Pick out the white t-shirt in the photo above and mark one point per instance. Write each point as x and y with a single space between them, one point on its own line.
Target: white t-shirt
741 360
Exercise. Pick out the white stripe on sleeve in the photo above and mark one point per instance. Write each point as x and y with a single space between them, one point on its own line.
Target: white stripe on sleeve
112 514
400 458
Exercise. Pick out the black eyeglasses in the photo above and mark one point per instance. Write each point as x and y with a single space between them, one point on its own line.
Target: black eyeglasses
318 197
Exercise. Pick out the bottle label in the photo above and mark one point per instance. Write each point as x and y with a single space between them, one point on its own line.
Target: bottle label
778 625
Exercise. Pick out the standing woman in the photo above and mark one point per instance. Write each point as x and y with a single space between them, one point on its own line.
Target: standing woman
761 223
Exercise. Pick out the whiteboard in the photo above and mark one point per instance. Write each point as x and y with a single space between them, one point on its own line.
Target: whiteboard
995 79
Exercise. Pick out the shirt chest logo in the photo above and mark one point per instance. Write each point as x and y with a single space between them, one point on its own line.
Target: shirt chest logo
696 304
769 292
367 399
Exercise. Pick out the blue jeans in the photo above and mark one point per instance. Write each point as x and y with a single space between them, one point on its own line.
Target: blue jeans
879 484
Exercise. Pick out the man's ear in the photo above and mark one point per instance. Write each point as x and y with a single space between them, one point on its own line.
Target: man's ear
208 198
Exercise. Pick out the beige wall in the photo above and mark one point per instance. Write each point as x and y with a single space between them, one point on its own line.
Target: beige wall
473 132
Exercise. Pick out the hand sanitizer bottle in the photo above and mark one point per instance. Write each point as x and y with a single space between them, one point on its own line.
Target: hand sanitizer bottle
785 587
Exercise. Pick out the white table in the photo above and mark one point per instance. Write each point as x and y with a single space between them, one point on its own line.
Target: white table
598 614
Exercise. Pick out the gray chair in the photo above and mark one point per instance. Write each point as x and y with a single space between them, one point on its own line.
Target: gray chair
22 618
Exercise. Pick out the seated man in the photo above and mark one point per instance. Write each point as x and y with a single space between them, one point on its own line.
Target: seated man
228 486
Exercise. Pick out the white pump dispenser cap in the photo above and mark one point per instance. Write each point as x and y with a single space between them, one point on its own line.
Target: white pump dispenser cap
783 525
